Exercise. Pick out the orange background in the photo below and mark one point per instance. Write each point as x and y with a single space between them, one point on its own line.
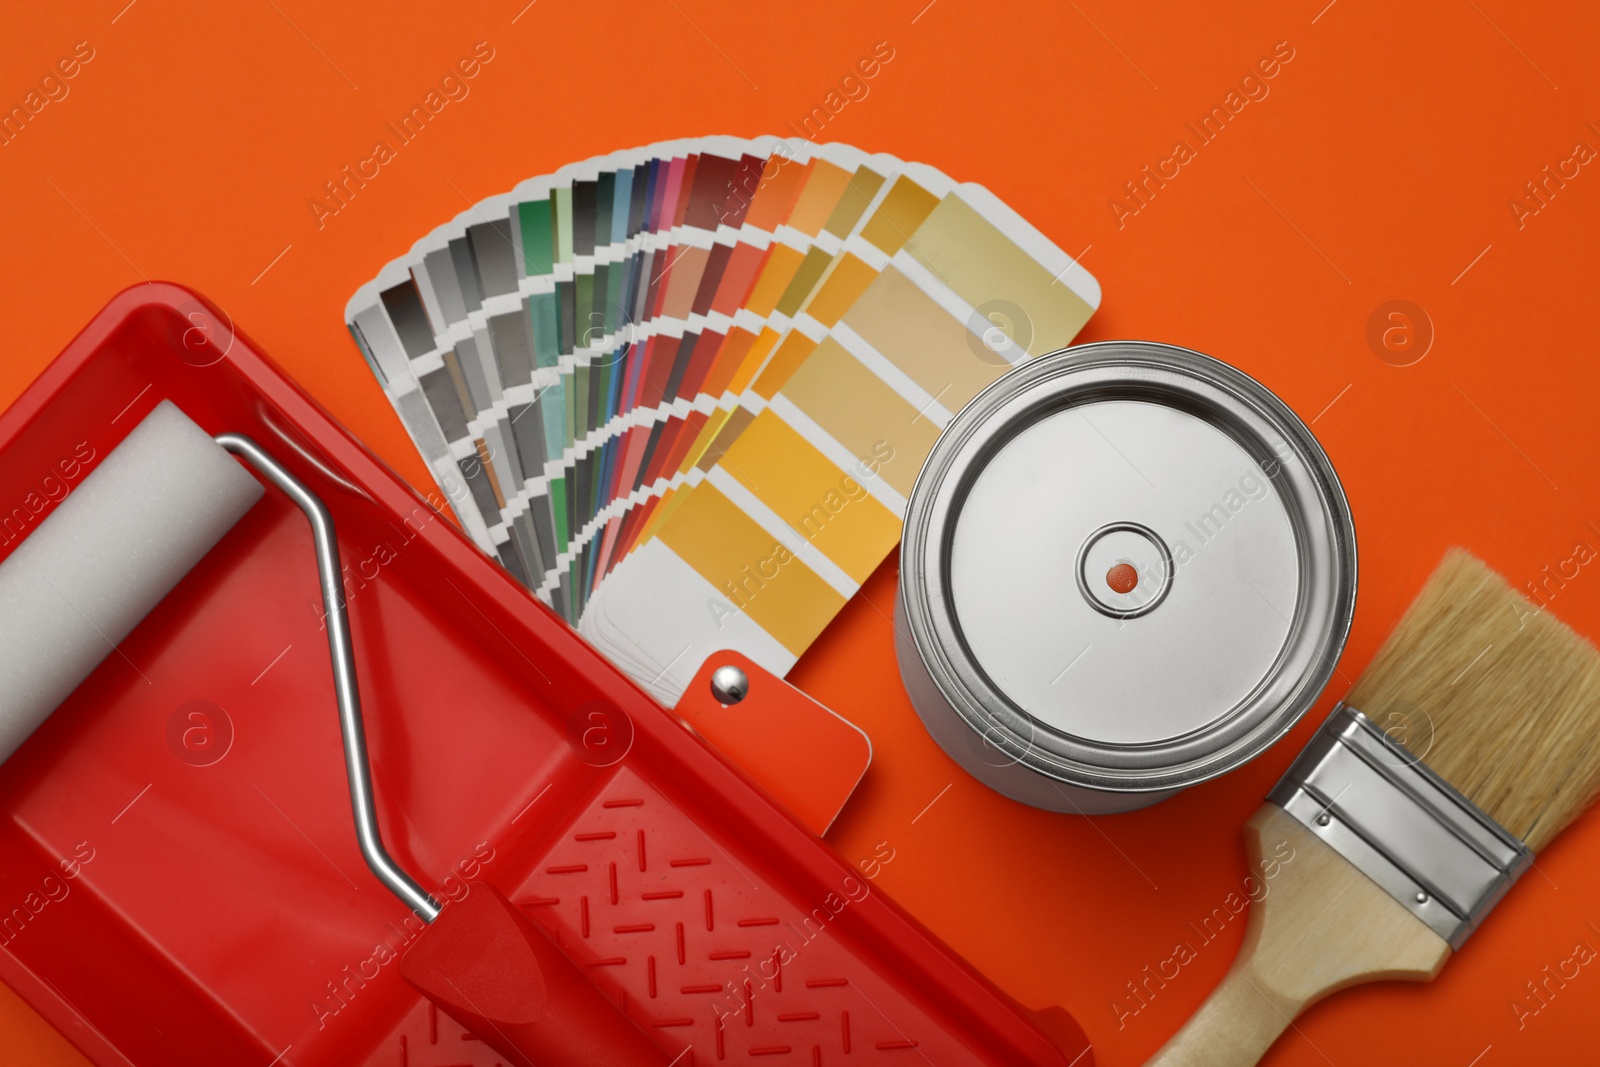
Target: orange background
1379 167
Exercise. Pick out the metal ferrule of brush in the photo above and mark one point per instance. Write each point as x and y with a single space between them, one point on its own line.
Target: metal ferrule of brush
1377 804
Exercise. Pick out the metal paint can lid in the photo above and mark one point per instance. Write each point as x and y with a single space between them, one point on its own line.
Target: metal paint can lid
1128 567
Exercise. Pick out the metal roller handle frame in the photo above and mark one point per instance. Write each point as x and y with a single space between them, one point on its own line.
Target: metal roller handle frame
357 767
532 1004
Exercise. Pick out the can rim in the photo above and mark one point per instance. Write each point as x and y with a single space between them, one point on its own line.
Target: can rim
1324 530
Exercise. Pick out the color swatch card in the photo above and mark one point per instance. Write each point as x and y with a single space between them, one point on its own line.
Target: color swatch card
505 316
491 333
682 392
830 201
782 289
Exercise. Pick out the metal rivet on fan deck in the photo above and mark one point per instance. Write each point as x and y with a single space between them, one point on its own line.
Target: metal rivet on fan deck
1126 568
729 684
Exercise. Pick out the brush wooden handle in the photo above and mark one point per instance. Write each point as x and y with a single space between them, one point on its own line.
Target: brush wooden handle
1322 926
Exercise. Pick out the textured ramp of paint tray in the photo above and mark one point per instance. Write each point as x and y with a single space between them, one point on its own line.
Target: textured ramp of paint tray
672 928
427 1037
695 949
666 919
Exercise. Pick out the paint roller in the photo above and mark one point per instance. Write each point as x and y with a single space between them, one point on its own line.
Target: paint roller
110 551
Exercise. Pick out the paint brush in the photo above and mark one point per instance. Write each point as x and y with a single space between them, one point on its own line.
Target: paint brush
1468 744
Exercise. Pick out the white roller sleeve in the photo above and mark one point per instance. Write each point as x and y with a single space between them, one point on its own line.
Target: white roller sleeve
105 556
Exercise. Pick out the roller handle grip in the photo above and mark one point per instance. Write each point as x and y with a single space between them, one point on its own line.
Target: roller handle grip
497 973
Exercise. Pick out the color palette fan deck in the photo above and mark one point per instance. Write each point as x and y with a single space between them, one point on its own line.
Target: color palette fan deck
682 392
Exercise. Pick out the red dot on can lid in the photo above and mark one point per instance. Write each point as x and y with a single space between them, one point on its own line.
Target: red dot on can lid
1122 578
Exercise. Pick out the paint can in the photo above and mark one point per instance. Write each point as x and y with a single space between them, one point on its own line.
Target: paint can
1126 568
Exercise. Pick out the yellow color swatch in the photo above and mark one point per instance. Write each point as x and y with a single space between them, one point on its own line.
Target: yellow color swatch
848 280
983 265
805 279
728 431
748 566
934 349
793 352
898 217
754 359
862 413
823 504
699 452
857 197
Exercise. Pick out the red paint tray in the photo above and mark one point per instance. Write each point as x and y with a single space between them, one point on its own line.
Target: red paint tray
179 876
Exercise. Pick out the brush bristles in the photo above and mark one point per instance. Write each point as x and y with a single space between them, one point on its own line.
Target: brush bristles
1497 697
